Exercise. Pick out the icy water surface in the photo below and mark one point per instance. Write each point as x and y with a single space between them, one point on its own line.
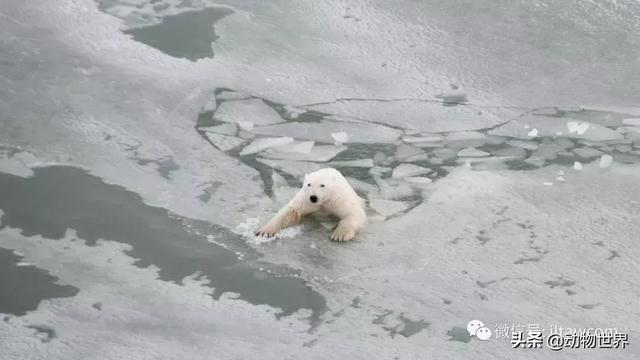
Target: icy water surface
59 198
496 144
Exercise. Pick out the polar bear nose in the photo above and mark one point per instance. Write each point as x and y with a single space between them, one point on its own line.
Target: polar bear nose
313 199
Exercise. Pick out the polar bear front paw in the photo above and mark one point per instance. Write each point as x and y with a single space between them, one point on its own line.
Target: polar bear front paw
343 233
268 230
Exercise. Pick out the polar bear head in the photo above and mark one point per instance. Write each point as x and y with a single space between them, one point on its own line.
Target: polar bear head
319 185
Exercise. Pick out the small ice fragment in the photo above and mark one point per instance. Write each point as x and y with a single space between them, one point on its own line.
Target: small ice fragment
419 180
533 133
560 178
472 152
224 129
406 170
605 161
246 125
578 127
587 153
340 137
364 163
548 183
577 166
258 145
313 245
210 105
631 121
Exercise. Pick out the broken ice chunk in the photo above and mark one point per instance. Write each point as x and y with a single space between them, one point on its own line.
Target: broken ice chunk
379 158
224 142
547 183
420 157
295 168
577 127
606 161
406 170
560 178
387 208
322 131
379 170
435 139
631 121
364 163
258 145
513 152
525 144
210 105
547 151
340 137
404 151
318 153
254 110
246 125
577 166
362 186
536 161
587 153
469 139
544 126
224 129
472 152
229 95
393 189
419 181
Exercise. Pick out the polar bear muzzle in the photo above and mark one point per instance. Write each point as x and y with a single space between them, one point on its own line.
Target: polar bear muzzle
313 199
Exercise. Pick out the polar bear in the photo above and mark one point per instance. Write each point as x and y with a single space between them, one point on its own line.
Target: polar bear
324 191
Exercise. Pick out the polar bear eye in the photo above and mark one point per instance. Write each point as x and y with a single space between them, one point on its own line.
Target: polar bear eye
321 185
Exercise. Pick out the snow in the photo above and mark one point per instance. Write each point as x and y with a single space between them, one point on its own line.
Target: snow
253 110
260 144
407 170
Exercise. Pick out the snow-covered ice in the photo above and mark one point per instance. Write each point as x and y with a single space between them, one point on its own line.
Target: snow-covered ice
254 110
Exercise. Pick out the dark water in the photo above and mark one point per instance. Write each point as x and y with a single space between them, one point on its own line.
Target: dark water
187 35
58 198
23 287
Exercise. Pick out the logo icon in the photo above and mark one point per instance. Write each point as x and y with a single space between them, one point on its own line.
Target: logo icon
476 328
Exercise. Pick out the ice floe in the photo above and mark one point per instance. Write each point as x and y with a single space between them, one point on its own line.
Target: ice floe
302 152
224 129
254 110
295 168
472 152
363 163
224 142
387 207
340 137
407 170
606 161
322 131
260 144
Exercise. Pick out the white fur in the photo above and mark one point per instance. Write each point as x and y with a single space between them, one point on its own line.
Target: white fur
335 196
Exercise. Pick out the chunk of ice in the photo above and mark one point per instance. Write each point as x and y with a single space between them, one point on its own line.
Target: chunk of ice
318 153
246 125
525 144
229 95
419 181
472 152
420 157
606 161
547 151
547 183
577 166
295 168
254 110
363 163
224 129
587 153
362 186
340 137
260 144
210 105
543 126
224 142
407 170
404 151
322 131
631 121
536 161
452 97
